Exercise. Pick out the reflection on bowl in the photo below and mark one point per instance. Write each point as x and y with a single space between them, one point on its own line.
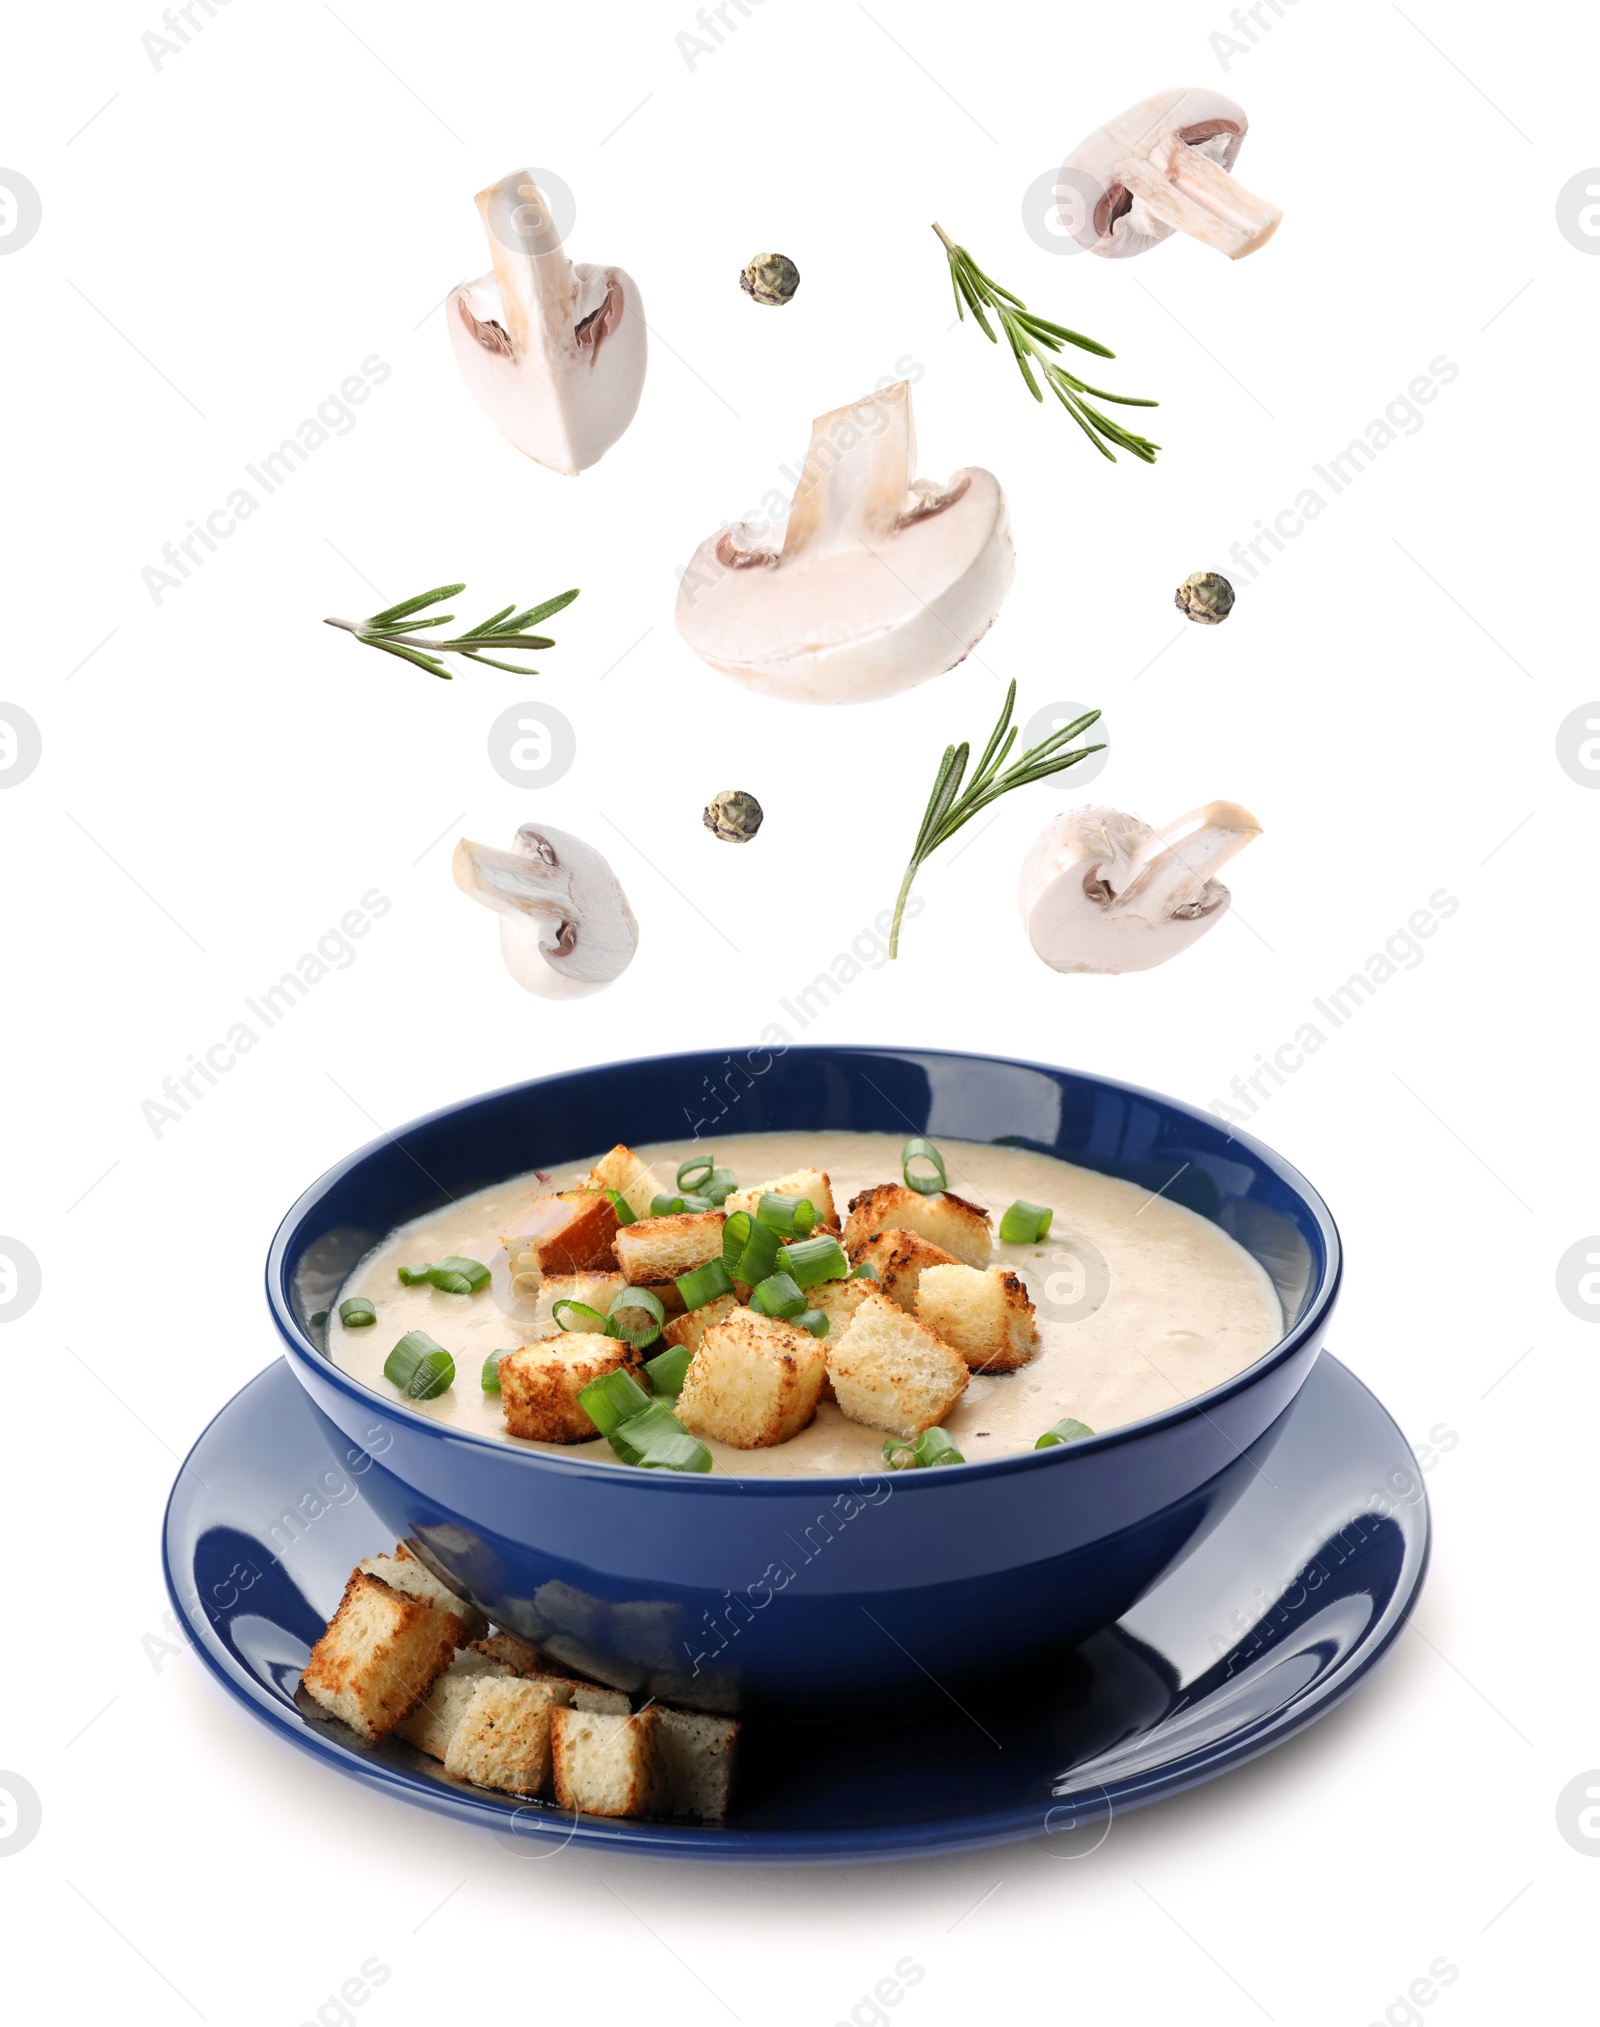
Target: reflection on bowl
806 1591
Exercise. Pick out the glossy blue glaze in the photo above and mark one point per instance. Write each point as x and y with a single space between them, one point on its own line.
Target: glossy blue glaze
1277 1615
804 1591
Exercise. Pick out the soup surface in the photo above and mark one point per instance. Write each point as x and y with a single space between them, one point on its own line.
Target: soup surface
1141 1303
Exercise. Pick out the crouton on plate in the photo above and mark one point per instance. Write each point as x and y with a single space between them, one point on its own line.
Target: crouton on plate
633 1180
380 1655
839 1301
660 1249
430 1725
985 1314
517 1655
810 1183
540 1385
606 1765
697 1755
753 1382
595 1291
689 1328
948 1220
569 1232
403 1571
891 1372
502 1738
900 1259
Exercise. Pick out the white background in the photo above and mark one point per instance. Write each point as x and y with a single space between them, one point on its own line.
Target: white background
225 241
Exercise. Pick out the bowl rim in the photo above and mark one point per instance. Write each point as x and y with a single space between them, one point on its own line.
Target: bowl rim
302 1352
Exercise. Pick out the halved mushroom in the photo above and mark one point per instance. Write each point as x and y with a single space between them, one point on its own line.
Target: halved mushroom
554 354
565 925
1162 167
882 580
1103 892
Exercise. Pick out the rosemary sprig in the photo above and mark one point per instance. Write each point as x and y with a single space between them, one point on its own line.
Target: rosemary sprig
395 631
949 808
1034 338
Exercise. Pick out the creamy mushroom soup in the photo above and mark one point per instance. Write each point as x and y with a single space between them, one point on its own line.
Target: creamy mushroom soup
1176 1308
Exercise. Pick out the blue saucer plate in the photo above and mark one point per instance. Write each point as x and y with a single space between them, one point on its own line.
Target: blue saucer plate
1278 1613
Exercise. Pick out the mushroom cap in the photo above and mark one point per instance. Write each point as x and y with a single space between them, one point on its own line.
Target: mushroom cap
553 353
1101 891
566 928
1099 211
882 580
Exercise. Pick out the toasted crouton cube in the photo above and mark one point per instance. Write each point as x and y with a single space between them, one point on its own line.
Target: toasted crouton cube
891 1372
540 1384
517 1655
380 1655
948 1220
502 1739
607 1765
570 1232
697 1755
403 1571
810 1183
985 1314
689 1328
430 1725
634 1180
595 1291
660 1249
839 1301
900 1259
754 1381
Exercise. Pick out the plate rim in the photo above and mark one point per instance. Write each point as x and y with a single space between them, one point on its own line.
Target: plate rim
876 1845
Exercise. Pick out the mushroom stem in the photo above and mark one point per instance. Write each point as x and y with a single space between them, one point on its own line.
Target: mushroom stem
856 477
1197 846
1193 194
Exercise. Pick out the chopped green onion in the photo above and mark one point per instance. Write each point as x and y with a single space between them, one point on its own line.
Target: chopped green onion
735 1237
457 1276
760 1255
588 1319
866 1272
664 1206
419 1367
668 1369
793 1216
923 1150
491 1371
814 1260
411 1276
814 1320
357 1313
1025 1223
778 1295
720 1185
696 1172
705 1284
317 1318
636 1302
611 1400
932 1447
621 1205
1065 1431
658 1441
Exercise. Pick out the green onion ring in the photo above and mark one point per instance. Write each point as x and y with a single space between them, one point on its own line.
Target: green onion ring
923 1150
696 1172
357 1313
1024 1224
578 1309
627 1301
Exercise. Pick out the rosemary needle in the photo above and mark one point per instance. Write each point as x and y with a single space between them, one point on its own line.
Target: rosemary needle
396 631
1034 339
949 808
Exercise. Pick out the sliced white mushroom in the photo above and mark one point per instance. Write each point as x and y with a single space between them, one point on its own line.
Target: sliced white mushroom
565 925
882 579
1101 891
554 354
1162 167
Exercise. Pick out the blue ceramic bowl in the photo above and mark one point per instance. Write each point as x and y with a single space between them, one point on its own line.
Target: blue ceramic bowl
810 1591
